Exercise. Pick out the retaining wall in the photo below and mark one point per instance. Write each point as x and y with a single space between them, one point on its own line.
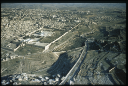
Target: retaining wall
75 67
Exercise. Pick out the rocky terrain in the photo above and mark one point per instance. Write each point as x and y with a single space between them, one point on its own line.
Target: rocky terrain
73 44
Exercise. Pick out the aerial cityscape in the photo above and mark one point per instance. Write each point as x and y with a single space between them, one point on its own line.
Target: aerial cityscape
63 43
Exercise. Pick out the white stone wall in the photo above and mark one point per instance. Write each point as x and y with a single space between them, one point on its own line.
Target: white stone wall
19 46
47 47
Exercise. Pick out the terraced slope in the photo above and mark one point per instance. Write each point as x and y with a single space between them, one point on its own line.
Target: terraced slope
100 68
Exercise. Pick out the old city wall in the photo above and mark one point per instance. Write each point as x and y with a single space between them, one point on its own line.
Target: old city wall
75 67
22 44
63 43
47 47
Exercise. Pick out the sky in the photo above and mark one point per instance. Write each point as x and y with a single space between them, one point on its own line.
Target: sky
17 5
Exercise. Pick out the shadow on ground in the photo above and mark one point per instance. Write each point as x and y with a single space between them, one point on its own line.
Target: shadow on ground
62 66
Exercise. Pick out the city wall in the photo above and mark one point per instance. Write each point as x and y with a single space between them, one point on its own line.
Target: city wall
75 67
22 44
47 47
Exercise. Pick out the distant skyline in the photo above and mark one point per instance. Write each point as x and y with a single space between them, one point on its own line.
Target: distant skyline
19 5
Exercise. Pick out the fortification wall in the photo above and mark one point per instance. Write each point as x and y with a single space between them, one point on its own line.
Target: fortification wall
22 44
47 47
